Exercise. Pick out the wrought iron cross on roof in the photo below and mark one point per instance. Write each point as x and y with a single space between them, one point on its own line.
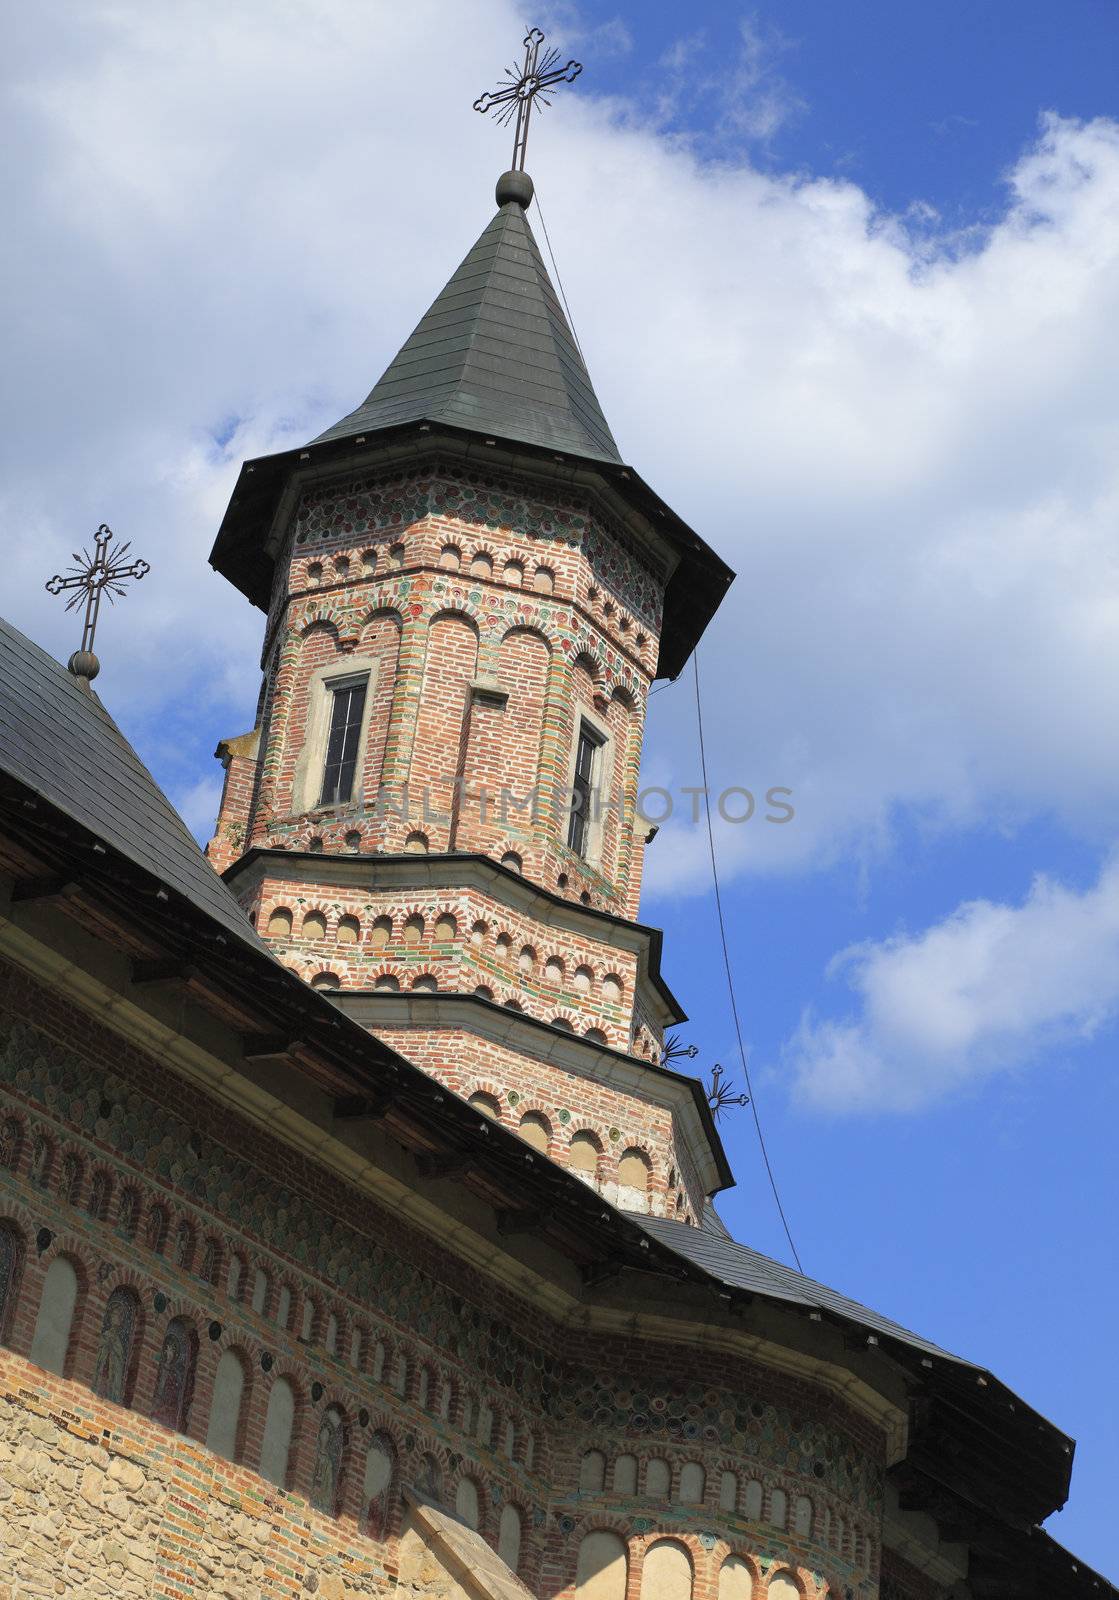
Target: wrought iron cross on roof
104 572
523 85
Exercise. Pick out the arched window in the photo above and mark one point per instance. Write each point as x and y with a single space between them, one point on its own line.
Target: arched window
467 1504
275 1447
11 1264
112 1374
625 1475
592 1472
51 1342
380 1469
692 1483
601 1570
802 1517
174 1379
736 1581
728 1491
779 1508
666 1572
658 1478
326 1475
534 1130
222 1435
509 1536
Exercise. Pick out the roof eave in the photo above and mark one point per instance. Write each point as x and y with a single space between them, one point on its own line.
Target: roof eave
696 586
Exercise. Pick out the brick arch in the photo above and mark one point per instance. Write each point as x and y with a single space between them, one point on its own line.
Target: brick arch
300 1425
597 1522
141 1286
347 1493
796 1575
473 1471
488 1086
309 616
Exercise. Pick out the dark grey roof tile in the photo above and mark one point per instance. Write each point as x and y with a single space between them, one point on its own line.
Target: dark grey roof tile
493 354
59 741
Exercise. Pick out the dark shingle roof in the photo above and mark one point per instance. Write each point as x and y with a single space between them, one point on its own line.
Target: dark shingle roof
59 741
712 1248
493 354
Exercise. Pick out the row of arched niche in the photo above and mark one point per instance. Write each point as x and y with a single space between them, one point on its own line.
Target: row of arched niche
667 1572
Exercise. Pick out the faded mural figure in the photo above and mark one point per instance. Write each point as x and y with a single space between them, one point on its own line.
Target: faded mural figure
328 1463
173 1380
110 1377
11 1139
184 1240
99 1196
208 1271
9 1271
431 1479
380 1465
40 1162
126 1213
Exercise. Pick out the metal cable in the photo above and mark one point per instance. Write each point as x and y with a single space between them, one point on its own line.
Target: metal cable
559 280
727 965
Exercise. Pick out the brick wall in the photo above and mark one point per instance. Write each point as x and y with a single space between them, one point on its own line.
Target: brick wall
109 1161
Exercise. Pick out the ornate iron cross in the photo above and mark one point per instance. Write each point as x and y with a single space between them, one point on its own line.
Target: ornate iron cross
523 85
105 572
720 1095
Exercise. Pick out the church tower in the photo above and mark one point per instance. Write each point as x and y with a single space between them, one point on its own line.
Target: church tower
468 597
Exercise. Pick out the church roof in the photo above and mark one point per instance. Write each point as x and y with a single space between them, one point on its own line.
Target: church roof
58 740
494 354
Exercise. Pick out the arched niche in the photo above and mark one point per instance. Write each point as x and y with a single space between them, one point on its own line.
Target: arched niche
666 1573
736 1581
509 1536
278 1423
50 1343
468 1505
601 1568
225 1409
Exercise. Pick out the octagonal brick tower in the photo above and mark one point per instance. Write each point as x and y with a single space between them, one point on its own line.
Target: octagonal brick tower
468 598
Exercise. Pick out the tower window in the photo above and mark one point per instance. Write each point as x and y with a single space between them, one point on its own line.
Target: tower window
582 783
346 712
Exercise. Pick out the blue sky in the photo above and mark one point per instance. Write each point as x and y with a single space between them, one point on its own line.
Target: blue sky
847 280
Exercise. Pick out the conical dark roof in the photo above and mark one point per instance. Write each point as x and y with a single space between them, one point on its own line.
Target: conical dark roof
493 354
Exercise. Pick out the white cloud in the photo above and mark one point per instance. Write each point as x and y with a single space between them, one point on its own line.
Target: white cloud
231 216
985 991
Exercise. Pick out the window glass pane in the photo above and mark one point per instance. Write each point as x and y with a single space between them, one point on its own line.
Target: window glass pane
348 704
581 784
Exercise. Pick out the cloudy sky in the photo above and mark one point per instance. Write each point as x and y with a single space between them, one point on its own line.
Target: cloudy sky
848 286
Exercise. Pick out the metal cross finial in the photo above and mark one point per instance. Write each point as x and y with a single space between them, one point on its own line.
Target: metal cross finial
522 86
104 572
720 1095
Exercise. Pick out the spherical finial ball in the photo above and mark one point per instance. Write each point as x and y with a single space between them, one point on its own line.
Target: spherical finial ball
83 664
515 187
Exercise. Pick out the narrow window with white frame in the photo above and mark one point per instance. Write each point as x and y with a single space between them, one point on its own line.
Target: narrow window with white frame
343 745
582 788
